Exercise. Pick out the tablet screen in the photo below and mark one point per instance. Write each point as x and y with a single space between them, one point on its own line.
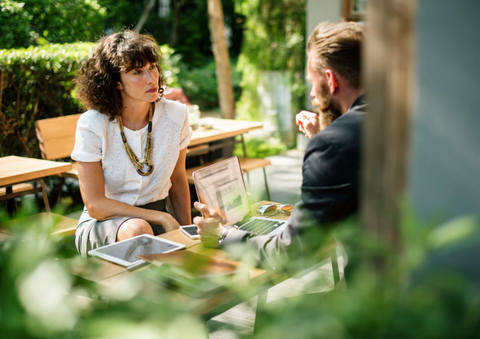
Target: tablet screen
126 250
221 187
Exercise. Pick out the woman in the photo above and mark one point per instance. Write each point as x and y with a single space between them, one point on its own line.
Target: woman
130 146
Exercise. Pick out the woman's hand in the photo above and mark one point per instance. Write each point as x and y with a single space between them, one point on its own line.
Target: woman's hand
168 222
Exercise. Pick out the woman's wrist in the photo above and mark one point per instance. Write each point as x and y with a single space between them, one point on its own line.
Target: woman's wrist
162 217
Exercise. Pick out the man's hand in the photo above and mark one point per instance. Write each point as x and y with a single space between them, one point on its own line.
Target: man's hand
210 227
308 123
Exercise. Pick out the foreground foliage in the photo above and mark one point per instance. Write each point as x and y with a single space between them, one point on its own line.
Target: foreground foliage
260 147
409 298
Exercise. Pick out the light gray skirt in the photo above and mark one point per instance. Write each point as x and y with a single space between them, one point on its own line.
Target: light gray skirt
92 233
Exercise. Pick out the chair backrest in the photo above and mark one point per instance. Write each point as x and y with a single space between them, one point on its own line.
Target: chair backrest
56 136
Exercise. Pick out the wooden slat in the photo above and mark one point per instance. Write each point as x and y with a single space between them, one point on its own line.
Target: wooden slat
17 188
73 173
246 164
61 225
56 136
15 169
198 149
181 238
222 129
250 164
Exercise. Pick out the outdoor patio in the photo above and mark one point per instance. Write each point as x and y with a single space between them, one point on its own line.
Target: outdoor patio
144 104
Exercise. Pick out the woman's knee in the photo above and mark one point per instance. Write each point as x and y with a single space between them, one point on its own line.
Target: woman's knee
132 228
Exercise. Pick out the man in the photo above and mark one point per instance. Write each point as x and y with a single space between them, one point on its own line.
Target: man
331 168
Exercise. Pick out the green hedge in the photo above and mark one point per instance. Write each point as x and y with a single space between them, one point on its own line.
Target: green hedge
38 83
200 84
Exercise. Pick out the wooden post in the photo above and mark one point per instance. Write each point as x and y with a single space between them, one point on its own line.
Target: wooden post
222 59
1 88
389 60
347 7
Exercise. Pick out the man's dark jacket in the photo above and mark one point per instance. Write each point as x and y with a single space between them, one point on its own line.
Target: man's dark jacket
330 187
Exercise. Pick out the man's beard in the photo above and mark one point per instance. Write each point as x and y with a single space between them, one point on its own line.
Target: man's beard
329 110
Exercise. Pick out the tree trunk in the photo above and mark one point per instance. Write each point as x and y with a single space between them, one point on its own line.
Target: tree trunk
222 59
143 18
177 6
389 73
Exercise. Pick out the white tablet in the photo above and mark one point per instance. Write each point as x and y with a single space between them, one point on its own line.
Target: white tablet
124 252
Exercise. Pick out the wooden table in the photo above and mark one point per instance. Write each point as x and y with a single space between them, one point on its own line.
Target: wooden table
221 129
14 170
98 270
109 274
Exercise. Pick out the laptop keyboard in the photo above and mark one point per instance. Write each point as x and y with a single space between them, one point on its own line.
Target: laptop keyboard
261 226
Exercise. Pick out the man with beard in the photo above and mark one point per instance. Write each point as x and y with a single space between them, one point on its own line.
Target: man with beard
331 168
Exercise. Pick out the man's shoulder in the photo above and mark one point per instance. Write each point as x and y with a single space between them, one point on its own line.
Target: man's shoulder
351 119
343 134
344 129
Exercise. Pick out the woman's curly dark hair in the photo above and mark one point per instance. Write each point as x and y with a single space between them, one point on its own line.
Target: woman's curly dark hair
99 74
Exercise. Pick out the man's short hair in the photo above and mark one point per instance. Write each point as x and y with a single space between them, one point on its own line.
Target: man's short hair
338 47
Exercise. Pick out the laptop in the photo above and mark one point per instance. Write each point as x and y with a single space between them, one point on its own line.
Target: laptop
221 187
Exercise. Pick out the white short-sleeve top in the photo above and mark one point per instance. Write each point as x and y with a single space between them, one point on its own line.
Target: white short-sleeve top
98 139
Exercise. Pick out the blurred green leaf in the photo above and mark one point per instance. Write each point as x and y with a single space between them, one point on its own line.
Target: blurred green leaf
457 230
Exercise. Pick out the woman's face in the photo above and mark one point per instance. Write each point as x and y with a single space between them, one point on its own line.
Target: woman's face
139 84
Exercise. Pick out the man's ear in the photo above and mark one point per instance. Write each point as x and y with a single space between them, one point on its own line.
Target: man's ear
332 81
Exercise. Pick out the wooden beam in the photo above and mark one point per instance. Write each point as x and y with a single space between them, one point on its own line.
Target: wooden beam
222 59
347 8
389 60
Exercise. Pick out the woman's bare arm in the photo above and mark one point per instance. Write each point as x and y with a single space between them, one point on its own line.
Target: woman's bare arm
179 192
92 187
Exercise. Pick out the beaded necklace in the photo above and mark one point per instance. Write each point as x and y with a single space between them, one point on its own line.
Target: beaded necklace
147 161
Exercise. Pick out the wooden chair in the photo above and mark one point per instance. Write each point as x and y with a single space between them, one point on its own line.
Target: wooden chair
56 138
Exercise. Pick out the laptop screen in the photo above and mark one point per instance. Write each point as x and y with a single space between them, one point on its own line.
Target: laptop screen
221 187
